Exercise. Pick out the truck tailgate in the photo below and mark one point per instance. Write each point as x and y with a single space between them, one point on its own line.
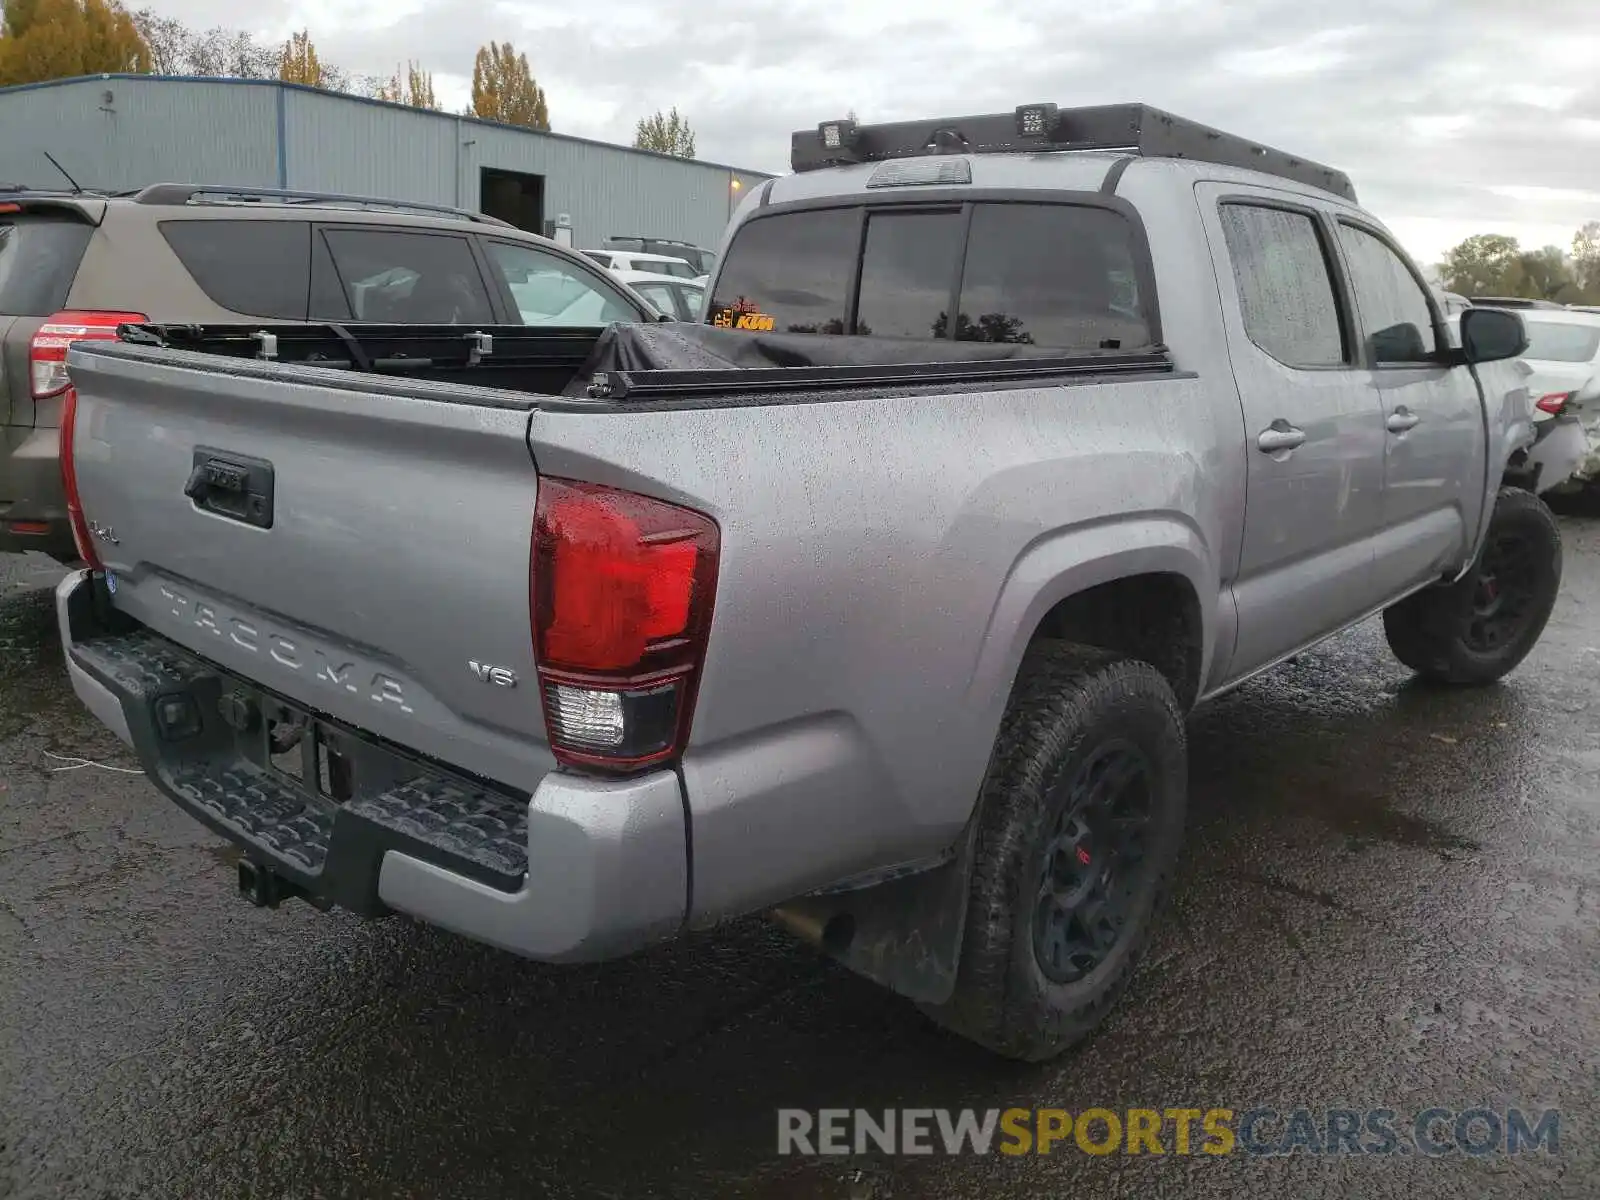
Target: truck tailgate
379 529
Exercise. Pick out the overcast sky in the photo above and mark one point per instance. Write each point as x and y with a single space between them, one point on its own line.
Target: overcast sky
1452 117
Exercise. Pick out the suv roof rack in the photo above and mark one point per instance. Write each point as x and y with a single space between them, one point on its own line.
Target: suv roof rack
645 237
1130 128
185 193
1512 302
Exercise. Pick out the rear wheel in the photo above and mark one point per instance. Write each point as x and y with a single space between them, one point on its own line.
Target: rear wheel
1081 819
1479 628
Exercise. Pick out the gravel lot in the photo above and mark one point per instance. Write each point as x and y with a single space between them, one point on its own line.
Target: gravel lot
1390 898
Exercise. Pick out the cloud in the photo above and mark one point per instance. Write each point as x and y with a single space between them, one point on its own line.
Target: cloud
1438 109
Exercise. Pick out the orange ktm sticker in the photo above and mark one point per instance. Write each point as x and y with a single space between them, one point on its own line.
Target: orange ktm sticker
729 319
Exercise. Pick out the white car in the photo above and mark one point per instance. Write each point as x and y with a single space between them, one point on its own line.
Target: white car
670 295
1560 453
654 264
1564 354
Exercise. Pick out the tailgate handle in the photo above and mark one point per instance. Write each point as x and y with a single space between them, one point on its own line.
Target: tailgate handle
230 485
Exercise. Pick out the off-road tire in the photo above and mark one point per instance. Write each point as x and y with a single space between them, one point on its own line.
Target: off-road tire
1431 631
1069 703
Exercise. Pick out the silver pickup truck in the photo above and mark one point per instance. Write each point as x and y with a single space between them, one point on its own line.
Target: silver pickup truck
877 602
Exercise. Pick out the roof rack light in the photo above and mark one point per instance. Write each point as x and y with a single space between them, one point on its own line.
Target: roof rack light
838 139
1031 128
1037 120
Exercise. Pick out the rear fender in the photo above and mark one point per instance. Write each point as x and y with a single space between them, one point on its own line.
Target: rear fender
904 931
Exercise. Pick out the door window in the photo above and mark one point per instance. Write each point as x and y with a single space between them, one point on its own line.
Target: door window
1286 294
660 297
552 291
390 276
1396 318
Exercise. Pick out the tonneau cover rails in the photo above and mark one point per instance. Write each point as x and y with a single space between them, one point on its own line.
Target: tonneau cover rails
658 384
375 349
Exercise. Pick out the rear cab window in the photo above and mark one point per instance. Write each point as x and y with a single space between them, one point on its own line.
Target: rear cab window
1059 275
39 257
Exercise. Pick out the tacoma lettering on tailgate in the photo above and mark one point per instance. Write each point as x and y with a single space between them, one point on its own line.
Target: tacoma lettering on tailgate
295 653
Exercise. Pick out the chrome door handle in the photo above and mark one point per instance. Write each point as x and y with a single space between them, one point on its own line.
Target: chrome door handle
1402 419
1280 435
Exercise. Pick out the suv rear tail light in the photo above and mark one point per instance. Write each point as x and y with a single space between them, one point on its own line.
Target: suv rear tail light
47 353
621 594
1553 403
47 365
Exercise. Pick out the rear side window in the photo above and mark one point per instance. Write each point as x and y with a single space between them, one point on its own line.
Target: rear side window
907 272
676 268
390 276
1052 275
262 268
1553 342
39 257
1286 296
790 273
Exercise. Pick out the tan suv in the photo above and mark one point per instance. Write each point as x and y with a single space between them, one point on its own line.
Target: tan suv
76 265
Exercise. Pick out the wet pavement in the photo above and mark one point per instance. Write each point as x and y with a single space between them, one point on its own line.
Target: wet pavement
1390 898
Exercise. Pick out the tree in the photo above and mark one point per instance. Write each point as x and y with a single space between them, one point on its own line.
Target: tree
1483 265
1543 275
415 88
1586 260
669 134
298 62
58 39
503 89
175 49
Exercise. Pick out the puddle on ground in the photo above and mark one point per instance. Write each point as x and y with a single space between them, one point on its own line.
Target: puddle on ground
34 693
1365 817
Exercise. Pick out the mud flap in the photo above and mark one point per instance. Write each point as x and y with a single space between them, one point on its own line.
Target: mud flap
904 933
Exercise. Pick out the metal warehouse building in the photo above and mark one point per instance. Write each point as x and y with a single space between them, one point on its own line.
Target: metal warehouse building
125 131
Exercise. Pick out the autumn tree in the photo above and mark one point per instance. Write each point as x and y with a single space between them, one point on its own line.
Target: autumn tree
669 134
298 62
58 39
413 87
1483 265
503 88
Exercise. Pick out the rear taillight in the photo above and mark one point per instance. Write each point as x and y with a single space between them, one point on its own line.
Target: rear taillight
47 353
621 594
1553 403
47 367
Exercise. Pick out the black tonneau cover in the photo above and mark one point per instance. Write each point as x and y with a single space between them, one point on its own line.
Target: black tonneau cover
660 359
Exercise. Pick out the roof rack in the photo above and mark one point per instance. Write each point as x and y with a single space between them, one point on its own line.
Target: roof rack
185 193
1031 128
645 237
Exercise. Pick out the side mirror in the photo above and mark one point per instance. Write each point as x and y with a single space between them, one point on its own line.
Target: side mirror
1492 334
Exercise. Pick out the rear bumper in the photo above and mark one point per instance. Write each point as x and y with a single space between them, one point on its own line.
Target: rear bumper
33 508
583 869
1559 451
